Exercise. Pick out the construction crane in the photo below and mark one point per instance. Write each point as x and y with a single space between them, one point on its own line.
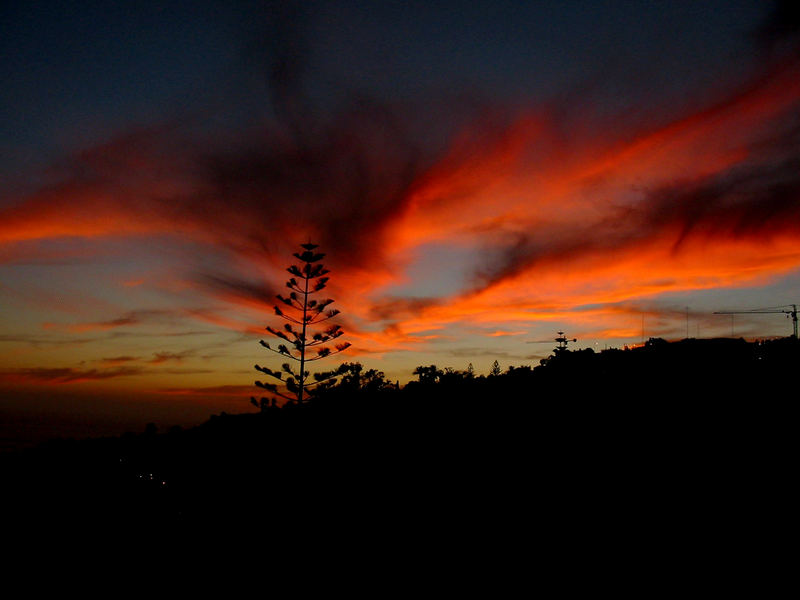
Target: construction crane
561 339
784 308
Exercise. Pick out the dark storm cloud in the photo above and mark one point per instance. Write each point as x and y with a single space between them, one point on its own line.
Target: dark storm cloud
335 169
756 201
342 185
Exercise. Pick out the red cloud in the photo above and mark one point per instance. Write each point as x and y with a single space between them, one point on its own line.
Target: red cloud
607 215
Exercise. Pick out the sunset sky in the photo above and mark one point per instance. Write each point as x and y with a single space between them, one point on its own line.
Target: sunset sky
480 175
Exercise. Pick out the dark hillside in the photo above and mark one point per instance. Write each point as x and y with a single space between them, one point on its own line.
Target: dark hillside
670 426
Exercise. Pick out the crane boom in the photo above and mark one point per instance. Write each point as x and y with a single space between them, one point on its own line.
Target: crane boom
791 312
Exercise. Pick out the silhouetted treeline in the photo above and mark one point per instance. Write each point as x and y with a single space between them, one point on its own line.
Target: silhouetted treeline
569 433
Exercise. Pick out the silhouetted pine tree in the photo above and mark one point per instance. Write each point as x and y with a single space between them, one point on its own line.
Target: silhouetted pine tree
303 314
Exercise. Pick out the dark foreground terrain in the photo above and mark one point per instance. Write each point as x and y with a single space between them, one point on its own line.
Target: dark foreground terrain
669 437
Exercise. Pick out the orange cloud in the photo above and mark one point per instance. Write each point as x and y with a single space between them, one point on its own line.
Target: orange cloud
559 214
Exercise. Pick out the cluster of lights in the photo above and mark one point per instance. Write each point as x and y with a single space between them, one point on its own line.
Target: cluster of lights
150 477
